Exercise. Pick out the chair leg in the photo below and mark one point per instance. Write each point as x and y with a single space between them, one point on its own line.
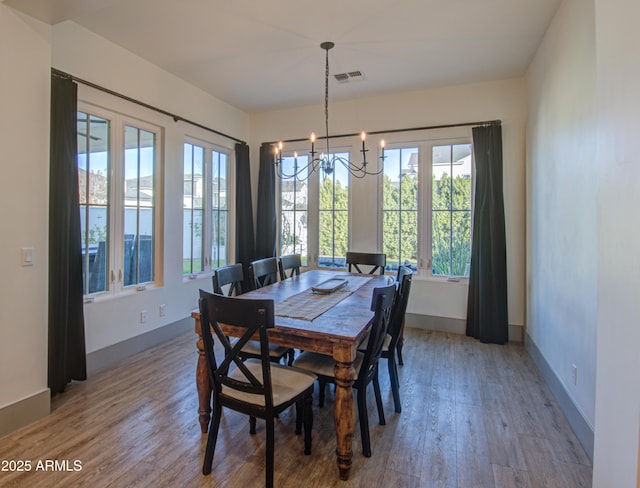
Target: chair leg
376 391
252 425
299 414
307 416
364 421
395 383
322 386
270 452
400 345
211 440
291 356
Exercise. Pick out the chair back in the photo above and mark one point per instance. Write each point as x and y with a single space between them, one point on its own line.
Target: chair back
399 304
263 272
251 316
377 260
381 303
231 274
291 263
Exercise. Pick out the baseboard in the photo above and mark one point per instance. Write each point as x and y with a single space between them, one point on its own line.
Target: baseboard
454 326
578 423
25 411
103 358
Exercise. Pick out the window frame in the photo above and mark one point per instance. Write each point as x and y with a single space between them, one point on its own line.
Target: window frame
313 204
425 144
208 210
116 208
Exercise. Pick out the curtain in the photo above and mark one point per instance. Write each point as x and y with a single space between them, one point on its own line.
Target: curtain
266 228
487 318
67 358
245 250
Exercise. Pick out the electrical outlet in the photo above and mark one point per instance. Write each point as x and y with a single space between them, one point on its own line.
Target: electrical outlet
574 374
143 317
161 310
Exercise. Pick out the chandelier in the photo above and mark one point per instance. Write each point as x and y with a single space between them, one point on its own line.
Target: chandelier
326 161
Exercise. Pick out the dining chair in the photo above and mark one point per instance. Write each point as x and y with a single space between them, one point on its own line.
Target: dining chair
255 387
365 363
232 276
390 346
290 263
263 272
402 270
378 261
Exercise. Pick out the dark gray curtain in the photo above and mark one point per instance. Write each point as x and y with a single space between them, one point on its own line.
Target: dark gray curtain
67 358
266 228
487 318
245 248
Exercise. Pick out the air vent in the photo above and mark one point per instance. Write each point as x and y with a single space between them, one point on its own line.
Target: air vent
349 76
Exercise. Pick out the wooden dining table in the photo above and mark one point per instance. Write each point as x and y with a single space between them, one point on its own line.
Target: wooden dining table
299 323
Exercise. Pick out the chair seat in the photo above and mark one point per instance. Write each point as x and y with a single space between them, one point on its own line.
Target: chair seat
322 364
286 383
253 347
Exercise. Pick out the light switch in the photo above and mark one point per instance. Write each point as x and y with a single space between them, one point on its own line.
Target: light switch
27 256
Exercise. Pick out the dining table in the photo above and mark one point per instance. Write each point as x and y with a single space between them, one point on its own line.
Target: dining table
323 311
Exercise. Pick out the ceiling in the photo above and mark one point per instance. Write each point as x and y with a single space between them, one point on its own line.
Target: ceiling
260 55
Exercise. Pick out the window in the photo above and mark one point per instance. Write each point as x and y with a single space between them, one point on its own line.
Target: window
333 216
426 221
294 218
93 181
451 209
139 205
118 165
193 209
400 208
219 208
205 208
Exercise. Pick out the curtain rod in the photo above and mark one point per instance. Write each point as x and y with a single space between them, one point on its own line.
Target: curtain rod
176 118
389 131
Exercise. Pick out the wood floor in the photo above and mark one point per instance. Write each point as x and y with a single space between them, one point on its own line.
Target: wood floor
474 415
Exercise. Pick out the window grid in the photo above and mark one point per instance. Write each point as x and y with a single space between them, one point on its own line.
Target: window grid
333 214
93 184
451 210
400 208
219 209
193 204
294 196
139 162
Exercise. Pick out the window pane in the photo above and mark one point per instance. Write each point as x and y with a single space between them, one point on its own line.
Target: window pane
400 206
452 177
334 215
461 243
219 208
187 242
193 204
139 166
391 238
441 180
461 171
294 196
441 243
93 183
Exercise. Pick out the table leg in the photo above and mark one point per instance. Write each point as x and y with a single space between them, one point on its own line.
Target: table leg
344 408
202 383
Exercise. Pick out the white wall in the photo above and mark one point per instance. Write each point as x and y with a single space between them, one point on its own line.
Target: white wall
562 234
24 188
618 373
87 56
502 100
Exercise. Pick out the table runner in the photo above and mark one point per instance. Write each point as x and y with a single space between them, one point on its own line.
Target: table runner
308 305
